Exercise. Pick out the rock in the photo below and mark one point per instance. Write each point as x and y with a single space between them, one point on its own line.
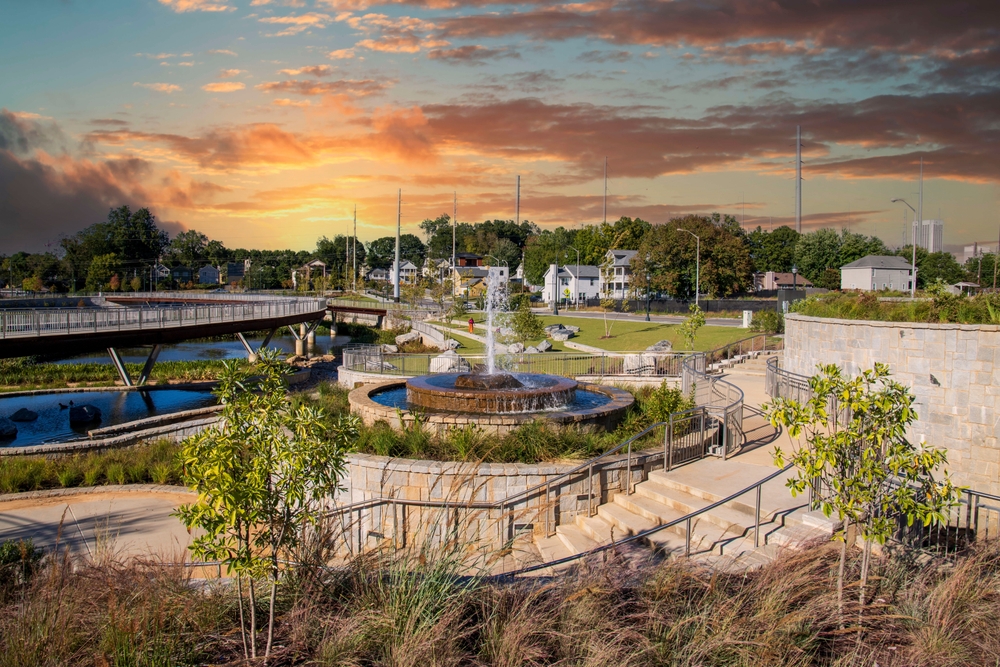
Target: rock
448 362
531 349
572 328
553 327
507 332
376 366
661 346
639 364
544 346
390 349
410 337
452 344
515 348
562 335
327 358
83 414
294 359
24 415
8 431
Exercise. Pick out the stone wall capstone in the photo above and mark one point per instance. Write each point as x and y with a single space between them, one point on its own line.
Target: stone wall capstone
952 369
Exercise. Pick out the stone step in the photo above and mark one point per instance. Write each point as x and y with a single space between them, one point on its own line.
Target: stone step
704 534
628 523
744 561
744 503
575 540
724 516
598 529
794 537
551 548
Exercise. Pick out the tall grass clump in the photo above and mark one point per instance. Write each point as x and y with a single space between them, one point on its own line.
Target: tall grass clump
939 306
29 373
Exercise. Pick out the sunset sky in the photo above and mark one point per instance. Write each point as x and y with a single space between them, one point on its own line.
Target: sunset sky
262 123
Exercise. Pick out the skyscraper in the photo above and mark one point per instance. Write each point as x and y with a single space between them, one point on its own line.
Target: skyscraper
930 235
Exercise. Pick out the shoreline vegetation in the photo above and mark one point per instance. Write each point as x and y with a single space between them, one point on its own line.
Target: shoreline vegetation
941 307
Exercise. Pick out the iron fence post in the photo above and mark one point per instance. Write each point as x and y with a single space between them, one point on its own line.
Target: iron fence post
756 519
687 538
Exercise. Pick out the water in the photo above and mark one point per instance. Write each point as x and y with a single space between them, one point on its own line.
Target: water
117 407
585 400
496 305
205 351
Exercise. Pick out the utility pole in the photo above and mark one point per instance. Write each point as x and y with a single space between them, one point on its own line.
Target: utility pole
996 256
605 190
454 230
920 223
798 178
517 202
354 252
395 278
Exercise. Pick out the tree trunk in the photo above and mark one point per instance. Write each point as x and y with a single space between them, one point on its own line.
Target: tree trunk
866 557
270 620
253 621
243 623
840 575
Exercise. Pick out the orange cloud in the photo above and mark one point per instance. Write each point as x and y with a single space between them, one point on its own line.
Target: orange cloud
181 6
223 52
340 54
167 88
402 132
353 87
297 24
313 70
224 87
230 73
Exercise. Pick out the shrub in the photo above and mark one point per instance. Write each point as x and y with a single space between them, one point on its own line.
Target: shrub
768 321
115 473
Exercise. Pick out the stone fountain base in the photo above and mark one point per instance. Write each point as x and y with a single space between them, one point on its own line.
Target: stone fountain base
605 417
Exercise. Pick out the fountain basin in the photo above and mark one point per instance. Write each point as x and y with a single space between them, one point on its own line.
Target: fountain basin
605 416
499 393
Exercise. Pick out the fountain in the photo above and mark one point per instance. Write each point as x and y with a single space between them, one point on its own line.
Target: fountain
490 396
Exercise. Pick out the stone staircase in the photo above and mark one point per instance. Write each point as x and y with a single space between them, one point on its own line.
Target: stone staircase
755 366
722 536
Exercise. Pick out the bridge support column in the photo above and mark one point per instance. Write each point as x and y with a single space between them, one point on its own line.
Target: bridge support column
301 335
251 355
147 368
119 366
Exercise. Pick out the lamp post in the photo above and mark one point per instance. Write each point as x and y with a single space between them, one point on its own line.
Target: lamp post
795 277
576 298
913 242
646 270
504 262
697 265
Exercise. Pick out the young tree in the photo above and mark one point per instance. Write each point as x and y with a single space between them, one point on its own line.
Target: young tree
261 476
115 283
135 283
689 327
851 449
527 326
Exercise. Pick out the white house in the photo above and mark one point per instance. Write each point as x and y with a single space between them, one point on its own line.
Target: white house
408 273
877 272
580 286
616 273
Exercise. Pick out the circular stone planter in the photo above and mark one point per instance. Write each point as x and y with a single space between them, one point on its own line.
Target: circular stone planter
604 417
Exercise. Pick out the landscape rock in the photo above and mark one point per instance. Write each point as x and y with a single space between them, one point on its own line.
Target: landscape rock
410 337
390 349
376 366
84 414
544 346
24 415
572 328
562 335
294 359
661 346
531 349
515 348
452 344
327 358
8 430
507 332
448 362
639 364
553 327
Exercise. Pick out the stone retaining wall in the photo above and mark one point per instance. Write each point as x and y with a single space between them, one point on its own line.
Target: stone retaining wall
953 370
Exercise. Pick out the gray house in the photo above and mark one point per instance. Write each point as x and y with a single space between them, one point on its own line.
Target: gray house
877 272
209 275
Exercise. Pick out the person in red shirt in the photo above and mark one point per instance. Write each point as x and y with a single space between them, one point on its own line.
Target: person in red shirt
472 325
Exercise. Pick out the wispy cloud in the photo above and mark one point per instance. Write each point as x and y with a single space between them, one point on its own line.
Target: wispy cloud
230 73
155 56
181 6
224 86
223 52
598 56
353 87
312 70
285 102
341 54
298 23
471 54
159 87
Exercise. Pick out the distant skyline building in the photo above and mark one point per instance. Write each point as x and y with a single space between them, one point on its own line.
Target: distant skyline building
976 250
930 235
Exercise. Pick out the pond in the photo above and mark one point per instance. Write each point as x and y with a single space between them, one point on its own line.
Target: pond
117 407
206 350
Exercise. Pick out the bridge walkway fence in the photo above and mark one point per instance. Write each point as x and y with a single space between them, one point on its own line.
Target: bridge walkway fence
712 428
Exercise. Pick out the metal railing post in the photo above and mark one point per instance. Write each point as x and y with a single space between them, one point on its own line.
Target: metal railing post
756 519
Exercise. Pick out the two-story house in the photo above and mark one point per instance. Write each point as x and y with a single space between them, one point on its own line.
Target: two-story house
616 273
576 284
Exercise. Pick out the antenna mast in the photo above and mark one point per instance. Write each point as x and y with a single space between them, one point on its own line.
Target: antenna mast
605 190
517 204
354 252
798 178
395 278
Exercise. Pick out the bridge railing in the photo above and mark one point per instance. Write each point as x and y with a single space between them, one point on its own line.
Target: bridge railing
19 323
372 359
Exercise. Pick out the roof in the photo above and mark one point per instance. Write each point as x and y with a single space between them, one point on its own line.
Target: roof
586 270
468 255
406 265
879 262
623 257
783 278
474 271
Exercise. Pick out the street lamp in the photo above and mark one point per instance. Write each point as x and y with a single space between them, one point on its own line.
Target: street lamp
646 268
697 265
795 277
576 298
913 242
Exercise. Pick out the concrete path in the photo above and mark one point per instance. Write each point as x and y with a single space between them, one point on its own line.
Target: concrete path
95 524
639 317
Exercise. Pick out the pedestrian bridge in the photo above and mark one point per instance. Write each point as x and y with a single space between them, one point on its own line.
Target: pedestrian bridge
156 318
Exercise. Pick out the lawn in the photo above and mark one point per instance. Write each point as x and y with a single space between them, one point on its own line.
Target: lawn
470 346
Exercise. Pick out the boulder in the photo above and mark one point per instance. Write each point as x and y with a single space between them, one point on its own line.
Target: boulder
410 337
448 362
452 344
24 415
515 348
390 349
661 346
84 414
294 359
562 335
376 366
553 327
639 364
572 328
327 358
507 332
531 349
544 346
8 431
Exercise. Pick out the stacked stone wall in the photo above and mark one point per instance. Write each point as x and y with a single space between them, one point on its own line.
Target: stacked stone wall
953 370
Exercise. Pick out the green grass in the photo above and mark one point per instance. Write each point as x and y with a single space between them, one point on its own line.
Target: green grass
154 463
24 373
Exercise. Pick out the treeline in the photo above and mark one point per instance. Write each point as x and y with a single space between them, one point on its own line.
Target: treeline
121 252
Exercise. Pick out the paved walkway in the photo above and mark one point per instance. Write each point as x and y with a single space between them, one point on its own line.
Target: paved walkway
92 524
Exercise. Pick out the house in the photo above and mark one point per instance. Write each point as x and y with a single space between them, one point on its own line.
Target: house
775 280
616 273
578 282
160 272
236 270
464 278
408 272
181 274
208 275
438 269
519 277
307 270
468 259
377 275
877 272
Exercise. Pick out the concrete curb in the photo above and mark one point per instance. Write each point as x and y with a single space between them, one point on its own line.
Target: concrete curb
87 490
202 384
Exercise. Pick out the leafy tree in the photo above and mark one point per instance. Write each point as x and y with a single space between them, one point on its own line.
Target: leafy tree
982 269
932 266
188 247
32 284
545 248
825 249
382 251
688 329
216 253
509 253
135 283
262 475
857 459
115 283
773 251
527 326
458 312
101 270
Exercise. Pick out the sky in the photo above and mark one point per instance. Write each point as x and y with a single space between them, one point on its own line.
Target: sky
264 123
